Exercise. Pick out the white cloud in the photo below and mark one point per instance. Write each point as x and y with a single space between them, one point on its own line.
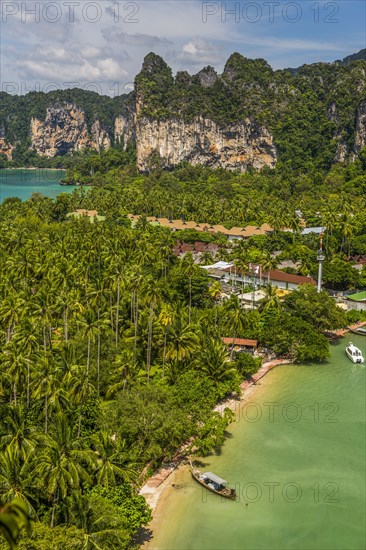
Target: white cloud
113 47
199 51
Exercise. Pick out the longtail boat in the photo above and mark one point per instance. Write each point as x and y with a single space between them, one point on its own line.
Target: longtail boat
213 483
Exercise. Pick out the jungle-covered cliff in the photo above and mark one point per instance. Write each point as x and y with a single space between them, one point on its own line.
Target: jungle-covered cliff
250 116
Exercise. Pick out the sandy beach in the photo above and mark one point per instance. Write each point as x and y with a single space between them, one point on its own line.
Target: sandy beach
159 484
158 487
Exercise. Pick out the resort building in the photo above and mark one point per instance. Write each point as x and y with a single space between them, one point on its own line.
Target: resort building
234 233
241 344
227 272
283 280
252 300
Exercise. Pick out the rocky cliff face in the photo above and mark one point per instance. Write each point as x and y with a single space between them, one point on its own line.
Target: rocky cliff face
64 130
124 130
360 135
248 116
6 149
202 141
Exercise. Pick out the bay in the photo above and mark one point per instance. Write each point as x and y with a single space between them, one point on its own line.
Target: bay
22 183
296 456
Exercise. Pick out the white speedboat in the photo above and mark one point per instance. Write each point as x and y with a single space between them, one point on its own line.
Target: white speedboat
354 353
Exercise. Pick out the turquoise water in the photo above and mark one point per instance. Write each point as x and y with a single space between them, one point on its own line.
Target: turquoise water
22 183
296 455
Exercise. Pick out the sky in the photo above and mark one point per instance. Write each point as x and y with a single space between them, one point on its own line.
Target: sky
100 45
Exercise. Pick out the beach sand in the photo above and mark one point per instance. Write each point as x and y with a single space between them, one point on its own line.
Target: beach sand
158 487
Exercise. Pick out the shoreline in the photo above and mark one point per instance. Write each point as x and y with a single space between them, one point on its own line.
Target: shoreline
155 485
165 477
350 328
32 168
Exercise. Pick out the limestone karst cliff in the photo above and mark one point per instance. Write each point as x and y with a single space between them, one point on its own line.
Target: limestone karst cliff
6 149
202 141
64 130
360 133
250 116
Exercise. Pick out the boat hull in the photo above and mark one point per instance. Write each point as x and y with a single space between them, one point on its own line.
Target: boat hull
356 360
226 493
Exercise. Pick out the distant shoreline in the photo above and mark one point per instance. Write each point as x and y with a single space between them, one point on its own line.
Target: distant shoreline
32 168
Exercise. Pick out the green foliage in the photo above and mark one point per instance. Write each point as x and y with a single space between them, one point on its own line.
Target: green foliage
339 275
13 518
316 308
111 352
131 507
212 434
355 316
246 364
43 537
288 335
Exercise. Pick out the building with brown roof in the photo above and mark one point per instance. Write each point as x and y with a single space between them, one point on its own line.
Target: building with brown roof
179 225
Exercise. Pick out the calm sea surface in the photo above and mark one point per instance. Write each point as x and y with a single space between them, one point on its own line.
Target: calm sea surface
22 183
296 456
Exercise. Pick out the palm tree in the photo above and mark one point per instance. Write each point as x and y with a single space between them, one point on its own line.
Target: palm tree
271 300
16 480
48 390
79 388
15 366
206 258
215 292
241 263
189 268
12 309
62 464
41 308
235 319
90 328
124 370
165 319
269 263
100 524
215 361
20 436
113 463
25 340
152 294
183 339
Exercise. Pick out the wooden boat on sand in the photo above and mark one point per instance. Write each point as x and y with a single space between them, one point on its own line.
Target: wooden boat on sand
213 483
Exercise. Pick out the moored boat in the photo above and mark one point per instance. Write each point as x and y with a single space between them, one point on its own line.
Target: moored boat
354 353
359 330
213 483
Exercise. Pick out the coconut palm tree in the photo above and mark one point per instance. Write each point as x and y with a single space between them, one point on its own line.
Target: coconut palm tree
235 319
78 388
12 309
183 339
18 433
113 464
271 300
215 361
99 524
189 268
165 320
62 464
16 480
122 373
268 263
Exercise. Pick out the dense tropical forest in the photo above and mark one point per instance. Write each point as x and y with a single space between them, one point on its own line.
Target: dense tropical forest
111 351
111 344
